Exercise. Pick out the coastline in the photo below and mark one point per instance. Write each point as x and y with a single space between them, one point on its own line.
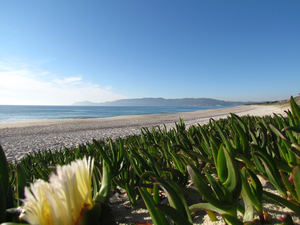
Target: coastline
21 138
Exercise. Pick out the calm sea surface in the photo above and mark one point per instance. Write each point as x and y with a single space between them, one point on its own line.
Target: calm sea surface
21 113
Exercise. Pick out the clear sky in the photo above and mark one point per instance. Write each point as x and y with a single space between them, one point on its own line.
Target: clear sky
59 52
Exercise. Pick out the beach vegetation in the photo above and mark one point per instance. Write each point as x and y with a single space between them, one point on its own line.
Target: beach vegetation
226 162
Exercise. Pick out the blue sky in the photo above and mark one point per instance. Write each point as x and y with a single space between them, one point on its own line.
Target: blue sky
58 52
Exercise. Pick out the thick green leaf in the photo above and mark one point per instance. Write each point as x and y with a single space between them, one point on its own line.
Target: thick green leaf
296 146
207 207
257 190
3 183
249 212
156 194
174 214
216 186
102 152
212 216
277 132
231 220
281 201
156 215
224 138
233 181
103 195
271 172
251 194
21 182
288 185
221 165
296 179
295 110
4 177
2 203
240 121
177 162
176 198
206 191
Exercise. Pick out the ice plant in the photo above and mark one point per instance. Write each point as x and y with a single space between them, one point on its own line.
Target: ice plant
64 199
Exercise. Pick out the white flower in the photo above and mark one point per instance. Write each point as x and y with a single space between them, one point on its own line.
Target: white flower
64 199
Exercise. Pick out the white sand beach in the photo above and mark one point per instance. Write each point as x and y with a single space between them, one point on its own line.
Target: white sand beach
20 138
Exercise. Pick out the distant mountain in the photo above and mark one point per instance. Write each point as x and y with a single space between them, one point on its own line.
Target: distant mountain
85 103
197 102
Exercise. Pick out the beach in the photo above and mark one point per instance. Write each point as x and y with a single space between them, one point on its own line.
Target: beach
21 138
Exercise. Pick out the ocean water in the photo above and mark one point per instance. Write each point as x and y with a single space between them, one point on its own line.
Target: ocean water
13 113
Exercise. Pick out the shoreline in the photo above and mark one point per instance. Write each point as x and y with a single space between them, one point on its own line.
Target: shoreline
15 113
21 138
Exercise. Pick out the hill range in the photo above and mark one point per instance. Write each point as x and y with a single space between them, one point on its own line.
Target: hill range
179 102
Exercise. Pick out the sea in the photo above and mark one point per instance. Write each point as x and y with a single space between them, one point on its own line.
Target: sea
14 113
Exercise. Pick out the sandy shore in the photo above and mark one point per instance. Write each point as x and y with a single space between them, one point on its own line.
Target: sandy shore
20 138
